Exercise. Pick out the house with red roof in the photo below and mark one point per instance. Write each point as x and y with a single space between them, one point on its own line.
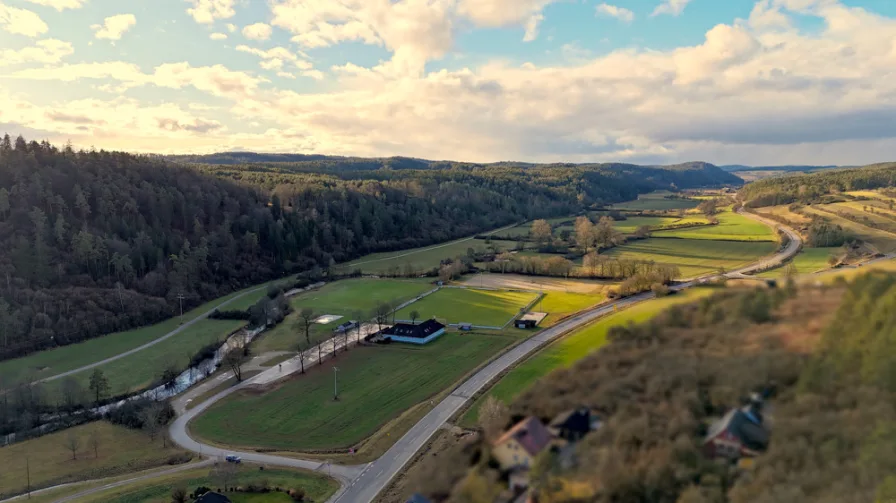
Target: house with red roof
519 446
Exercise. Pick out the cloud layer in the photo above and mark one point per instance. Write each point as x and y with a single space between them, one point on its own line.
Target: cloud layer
755 90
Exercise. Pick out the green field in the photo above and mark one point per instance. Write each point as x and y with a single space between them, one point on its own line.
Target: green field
158 490
461 305
807 261
339 298
62 359
695 257
880 239
657 201
421 259
561 304
120 450
731 227
376 384
570 349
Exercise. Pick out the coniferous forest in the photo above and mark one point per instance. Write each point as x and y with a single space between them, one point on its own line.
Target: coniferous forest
97 242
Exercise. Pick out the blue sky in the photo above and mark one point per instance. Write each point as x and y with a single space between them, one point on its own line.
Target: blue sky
483 80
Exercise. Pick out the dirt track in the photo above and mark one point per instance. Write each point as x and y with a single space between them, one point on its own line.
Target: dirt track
522 282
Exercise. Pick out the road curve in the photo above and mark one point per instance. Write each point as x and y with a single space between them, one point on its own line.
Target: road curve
148 344
362 483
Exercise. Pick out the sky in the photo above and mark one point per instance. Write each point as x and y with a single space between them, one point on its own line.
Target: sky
759 82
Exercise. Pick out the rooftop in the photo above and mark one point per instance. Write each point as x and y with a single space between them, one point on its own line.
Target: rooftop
531 435
418 331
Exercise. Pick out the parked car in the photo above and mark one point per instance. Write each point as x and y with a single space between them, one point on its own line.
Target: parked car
233 459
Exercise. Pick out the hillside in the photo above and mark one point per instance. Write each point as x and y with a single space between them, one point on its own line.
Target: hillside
822 356
810 188
99 242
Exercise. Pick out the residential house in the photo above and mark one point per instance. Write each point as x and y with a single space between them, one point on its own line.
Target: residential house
742 432
519 446
574 424
414 334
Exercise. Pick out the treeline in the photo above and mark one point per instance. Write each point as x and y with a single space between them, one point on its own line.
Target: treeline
812 188
98 242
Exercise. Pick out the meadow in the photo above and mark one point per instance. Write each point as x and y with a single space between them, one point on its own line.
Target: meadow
463 305
376 384
657 201
793 218
120 450
807 261
884 241
731 227
158 489
573 347
694 257
54 361
342 298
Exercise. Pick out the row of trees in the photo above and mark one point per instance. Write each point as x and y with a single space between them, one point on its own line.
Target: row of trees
97 242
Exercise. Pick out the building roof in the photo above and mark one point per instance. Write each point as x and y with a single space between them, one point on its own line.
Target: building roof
418 331
573 420
213 497
418 498
530 434
747 428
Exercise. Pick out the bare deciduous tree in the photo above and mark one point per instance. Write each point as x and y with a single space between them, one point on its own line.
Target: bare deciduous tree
224 474
234 360
73 443
151 416
493 417
414 315
94 442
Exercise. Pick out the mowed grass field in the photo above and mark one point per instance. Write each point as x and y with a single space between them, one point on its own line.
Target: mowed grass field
572 348
657 201
158 490
376 384
120 450
62 359
807 261
795 219
464 305
340 298
731 227
695 257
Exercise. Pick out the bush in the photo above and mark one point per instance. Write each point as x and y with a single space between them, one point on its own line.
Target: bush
660 290
130 414
297 494
232 314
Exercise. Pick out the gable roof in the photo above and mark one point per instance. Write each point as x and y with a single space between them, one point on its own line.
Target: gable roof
213 497
736 422
419 331
532 436
573 419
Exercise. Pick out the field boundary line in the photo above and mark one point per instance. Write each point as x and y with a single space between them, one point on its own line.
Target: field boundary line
525 309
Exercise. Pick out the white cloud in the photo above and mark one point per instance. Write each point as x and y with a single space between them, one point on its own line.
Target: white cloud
48 51
60 4
500 13
21 21
620 13
231 27
672 7
114 27
532 27
207 11
218 36
257 31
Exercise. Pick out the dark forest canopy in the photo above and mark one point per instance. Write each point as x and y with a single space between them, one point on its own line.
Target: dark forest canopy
810 188
98 242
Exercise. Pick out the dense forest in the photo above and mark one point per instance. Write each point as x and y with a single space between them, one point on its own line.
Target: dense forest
97 242
811 188
825 353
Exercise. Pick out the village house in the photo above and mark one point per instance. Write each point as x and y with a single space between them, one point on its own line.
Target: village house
740 433
574 424
519 446
420 333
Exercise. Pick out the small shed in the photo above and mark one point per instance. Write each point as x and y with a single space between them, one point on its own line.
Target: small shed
530 320
466 327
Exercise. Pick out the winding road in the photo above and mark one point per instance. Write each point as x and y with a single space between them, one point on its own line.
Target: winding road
362 483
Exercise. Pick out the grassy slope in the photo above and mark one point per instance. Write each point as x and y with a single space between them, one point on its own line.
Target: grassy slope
421 258
561 304
657 201
158 490
121 450
376 384
731 227
54 361
479 307
882 240
572 348
341 298
694 256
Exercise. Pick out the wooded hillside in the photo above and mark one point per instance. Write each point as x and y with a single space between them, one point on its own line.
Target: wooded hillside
98 242
810 188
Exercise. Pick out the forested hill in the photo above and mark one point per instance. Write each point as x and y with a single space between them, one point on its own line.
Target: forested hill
810 188
98 242
685 175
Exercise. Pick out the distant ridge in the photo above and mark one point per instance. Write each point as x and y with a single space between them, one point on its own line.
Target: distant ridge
731 168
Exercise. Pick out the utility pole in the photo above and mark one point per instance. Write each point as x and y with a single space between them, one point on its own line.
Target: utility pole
335 390
180 297
28 476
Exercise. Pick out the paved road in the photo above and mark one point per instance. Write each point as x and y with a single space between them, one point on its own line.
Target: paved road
362 483
377 475
151 343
